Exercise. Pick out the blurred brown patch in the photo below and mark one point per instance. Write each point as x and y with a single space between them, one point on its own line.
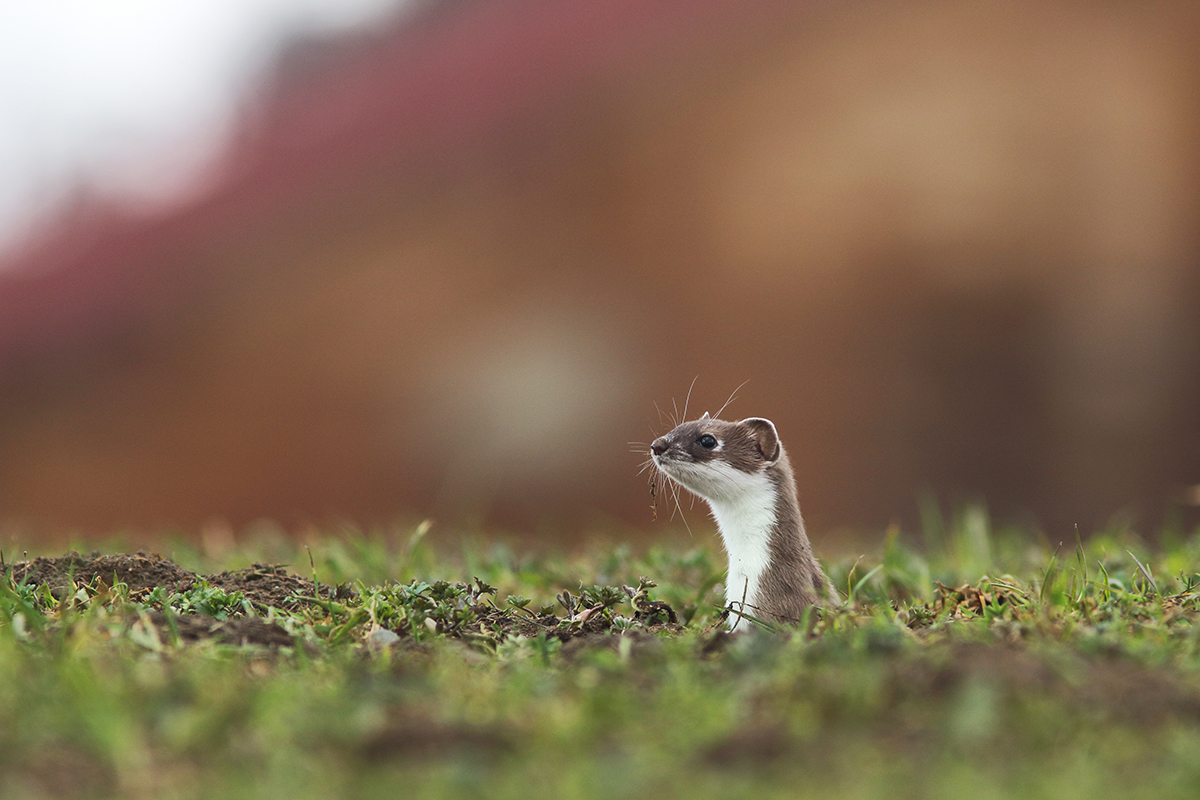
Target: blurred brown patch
952 247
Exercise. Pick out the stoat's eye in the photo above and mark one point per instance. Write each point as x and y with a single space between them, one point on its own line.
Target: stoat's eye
707 441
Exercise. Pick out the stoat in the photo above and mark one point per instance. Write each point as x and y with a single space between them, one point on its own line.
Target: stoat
742 471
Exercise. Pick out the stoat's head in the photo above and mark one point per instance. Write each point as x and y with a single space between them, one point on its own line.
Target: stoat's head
717 459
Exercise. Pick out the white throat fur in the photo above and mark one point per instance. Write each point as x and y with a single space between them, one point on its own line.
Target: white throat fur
743 505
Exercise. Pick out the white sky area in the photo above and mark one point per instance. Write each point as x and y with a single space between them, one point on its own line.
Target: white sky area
133 99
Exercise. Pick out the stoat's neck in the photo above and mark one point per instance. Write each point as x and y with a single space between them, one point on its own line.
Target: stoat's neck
746 517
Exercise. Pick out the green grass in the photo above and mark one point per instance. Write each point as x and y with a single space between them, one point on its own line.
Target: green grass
968 663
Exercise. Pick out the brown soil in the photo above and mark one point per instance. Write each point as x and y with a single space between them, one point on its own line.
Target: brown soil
263 585
267 585
139 571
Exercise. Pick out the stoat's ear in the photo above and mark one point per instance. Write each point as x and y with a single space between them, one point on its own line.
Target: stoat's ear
765 437
703 417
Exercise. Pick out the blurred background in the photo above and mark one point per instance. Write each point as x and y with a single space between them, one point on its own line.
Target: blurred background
363 260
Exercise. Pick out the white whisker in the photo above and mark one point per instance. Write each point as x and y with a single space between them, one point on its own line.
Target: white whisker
660 415
688 399
732 397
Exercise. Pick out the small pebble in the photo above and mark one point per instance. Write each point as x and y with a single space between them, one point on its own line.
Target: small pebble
382 638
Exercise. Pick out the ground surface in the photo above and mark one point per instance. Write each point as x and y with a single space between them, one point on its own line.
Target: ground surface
978 664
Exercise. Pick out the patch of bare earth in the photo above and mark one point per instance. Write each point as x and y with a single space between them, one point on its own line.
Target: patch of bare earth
272 586
141 572
263 585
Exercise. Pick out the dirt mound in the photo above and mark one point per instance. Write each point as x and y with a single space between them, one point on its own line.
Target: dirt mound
139 571
271 585
264 585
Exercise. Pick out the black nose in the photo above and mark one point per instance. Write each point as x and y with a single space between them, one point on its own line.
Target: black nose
659 447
